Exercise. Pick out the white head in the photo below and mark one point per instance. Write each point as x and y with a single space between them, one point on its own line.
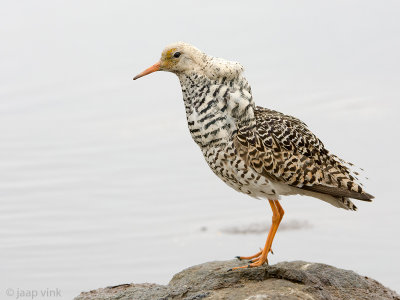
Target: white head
184 58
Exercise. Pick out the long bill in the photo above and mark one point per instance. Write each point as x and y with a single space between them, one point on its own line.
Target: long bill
153 68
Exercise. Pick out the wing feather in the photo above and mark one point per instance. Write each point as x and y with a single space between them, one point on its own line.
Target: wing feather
282 148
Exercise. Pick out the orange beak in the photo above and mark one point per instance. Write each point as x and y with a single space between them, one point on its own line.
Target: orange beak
153 68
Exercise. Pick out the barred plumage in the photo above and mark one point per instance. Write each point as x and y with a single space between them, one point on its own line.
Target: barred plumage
282 148
257 151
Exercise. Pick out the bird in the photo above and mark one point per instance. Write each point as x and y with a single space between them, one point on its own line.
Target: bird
257 151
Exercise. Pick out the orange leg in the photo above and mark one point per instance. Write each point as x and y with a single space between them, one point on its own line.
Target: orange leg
261 257
281 212
256 256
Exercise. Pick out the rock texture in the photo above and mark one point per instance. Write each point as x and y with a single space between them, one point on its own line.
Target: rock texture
285 280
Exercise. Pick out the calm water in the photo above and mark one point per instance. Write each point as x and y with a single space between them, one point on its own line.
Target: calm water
100 183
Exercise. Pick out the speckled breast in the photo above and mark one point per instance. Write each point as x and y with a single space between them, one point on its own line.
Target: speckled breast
225 162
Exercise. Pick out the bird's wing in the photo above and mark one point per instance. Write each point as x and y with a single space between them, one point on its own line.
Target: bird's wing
282 148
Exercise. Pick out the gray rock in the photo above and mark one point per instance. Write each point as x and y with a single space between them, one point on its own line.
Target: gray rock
285 280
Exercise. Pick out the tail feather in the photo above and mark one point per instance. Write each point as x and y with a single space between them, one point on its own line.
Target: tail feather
340 202
340 192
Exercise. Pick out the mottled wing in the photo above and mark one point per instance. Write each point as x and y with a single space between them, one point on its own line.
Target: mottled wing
282 148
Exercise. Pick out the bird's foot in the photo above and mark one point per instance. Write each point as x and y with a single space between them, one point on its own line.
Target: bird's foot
254 263
255 256
255 260
249 257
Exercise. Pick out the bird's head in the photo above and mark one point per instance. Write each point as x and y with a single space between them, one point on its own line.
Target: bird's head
183 58
177 58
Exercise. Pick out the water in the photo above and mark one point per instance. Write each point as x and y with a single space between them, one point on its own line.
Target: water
100 183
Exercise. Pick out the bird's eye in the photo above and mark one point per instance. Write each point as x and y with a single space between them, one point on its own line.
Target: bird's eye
177 54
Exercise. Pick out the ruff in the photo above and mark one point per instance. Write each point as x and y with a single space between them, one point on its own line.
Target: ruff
256 151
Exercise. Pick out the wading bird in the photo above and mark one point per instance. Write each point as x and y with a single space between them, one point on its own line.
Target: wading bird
257 151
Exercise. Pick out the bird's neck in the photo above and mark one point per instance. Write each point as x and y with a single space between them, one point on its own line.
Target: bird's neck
215 107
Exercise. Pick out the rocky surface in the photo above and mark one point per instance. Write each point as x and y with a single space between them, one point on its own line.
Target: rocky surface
285 280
